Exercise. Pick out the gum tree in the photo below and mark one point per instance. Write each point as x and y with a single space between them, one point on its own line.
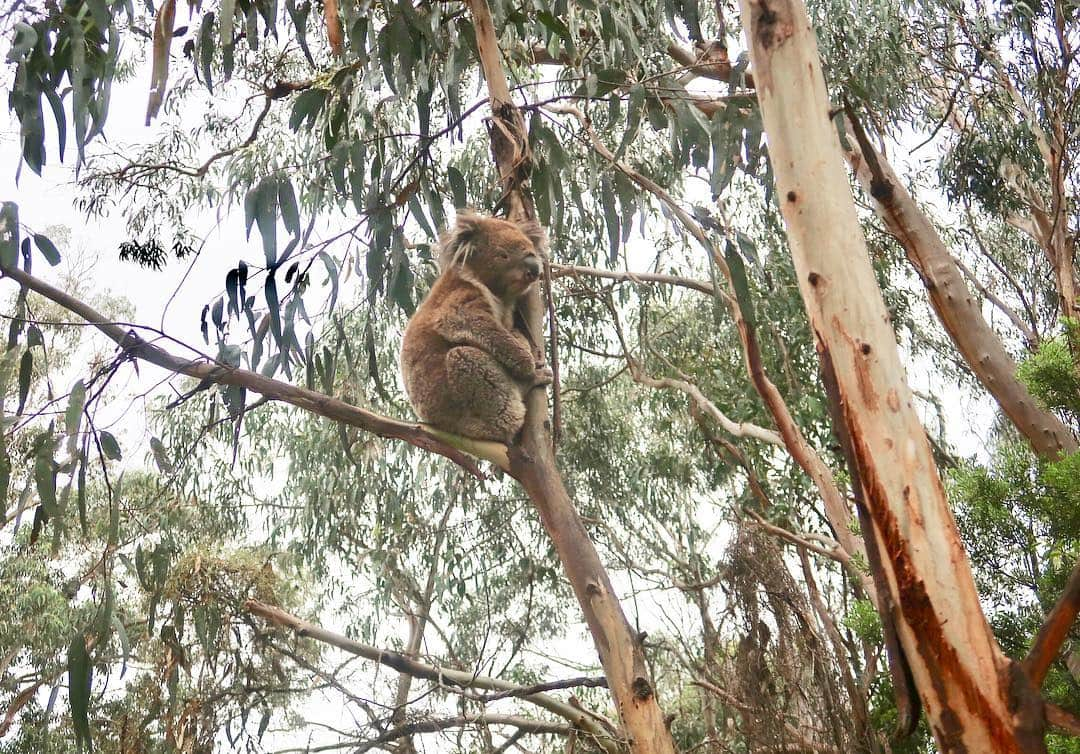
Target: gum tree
597 116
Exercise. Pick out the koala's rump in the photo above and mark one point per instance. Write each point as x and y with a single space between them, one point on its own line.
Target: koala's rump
423 369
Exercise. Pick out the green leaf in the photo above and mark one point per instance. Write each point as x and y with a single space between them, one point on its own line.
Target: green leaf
206 50
109 446
73 414
232 291
554 25
114 515
80 89
25 39
80 490
125 642
32 135
740 283
5 474
106 614
61 121
273 307
26 370
45 477
266 207
251 27
290 213
251 203
633 118
608 80
299 18
47 249
161 456
9 234
611 216
457 187
80 680
332 274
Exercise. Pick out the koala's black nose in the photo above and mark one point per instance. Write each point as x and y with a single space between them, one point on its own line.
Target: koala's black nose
532 267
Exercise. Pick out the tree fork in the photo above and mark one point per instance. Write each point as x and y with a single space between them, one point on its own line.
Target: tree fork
533 462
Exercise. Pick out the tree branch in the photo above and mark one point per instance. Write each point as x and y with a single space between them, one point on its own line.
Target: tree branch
523 724
1054 631
427 438
580 719
574 271
957 309
1062 719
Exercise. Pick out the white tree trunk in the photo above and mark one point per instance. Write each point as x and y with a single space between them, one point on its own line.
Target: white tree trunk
975 698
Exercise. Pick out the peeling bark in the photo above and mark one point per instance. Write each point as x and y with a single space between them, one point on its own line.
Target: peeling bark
975 698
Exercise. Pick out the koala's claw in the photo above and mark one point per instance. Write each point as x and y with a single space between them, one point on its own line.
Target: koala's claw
544 375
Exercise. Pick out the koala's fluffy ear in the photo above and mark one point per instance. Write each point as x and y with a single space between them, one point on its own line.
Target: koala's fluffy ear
535 233
457 243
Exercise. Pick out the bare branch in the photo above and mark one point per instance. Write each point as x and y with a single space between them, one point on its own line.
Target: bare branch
581 720
568 683
523 724
419 435
1054 631
569 270
1062 719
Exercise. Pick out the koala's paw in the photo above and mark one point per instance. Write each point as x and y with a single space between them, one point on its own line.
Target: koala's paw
543 375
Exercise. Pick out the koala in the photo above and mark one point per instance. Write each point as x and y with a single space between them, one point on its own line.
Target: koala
466 368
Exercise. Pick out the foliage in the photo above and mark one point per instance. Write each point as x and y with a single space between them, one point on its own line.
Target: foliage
1051 373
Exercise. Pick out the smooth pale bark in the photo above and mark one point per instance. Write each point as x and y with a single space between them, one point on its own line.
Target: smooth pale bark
976 699
957 309
532 462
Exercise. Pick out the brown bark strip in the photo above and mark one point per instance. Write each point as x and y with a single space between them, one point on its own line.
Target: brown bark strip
334 34
908 708
1054 631
453 447
971 693
957 309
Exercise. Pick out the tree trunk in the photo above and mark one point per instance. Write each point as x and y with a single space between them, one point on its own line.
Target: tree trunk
533 462
976 699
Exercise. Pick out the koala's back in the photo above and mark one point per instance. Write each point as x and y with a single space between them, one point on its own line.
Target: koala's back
423 351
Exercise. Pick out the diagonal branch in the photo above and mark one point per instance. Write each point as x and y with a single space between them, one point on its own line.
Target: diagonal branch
453 447
957 309
580 719
523 724
1053 632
